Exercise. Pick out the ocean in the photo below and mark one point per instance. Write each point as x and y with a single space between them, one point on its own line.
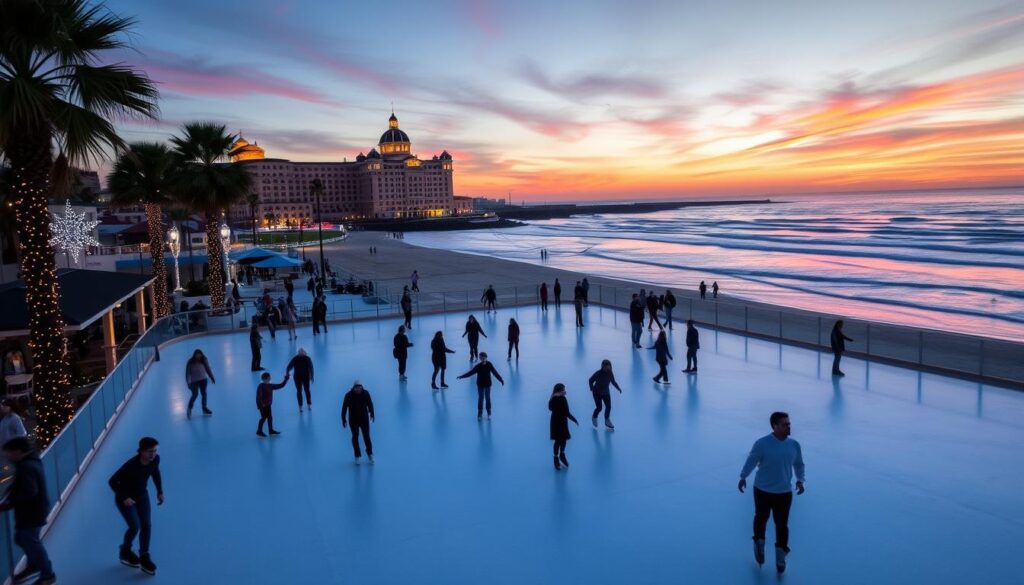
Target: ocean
949 260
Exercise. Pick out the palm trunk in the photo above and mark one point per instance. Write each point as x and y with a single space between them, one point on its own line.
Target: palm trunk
215 260
32 160
155 221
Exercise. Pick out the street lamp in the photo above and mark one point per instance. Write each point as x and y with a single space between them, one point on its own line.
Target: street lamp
174 241
225 241
317 186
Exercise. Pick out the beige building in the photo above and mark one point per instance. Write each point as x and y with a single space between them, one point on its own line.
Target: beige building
387 182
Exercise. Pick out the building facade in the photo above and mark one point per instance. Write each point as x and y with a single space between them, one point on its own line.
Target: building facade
387 182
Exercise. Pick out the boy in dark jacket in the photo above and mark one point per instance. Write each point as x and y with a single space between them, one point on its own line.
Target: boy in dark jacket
483 372
28 498
264 401
132 500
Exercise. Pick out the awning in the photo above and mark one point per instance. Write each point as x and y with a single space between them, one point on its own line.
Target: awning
277 261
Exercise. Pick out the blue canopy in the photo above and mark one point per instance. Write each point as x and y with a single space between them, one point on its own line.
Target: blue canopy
252 255
277 261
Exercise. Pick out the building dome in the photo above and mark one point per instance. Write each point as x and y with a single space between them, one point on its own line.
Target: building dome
393 140
242 150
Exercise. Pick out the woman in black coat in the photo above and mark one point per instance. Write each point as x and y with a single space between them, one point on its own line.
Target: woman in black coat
661 355
558 404
439 357
513 338
474 331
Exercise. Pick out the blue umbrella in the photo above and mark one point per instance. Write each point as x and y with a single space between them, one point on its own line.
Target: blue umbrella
277 261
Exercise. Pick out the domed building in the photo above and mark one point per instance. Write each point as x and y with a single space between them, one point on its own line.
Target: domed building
389 181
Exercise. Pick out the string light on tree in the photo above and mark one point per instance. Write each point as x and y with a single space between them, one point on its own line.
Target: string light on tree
72 232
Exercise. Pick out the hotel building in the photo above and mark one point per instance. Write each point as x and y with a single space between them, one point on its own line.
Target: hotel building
387 182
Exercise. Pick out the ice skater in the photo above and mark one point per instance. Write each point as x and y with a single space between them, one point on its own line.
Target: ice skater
670 305
288 312
714 289
255 344
776 457
265 402
303 366
662 355
472 333
578 301
692 345
131 496
31 504
558 404
558 293
401 351
490 299
319 314
513 338
636 320
600 384
586 291
703 289
415 278
357 414
838 340
439 358
543 296
652 310
483 372
406 304
197 374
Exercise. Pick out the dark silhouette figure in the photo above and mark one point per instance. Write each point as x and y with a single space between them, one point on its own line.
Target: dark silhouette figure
255 343
636 320
415 281
703 288
490 299
472 333
28 497
558 293
289 287
586 292
483 372
600 384
578 300
692 345
543 296
662 355
513 338
838 340
714 289
439 358
558 404
303 366
131 496
406 304
652 310
197 374
235 294
357 414
319 315
401 351
265 402
670 305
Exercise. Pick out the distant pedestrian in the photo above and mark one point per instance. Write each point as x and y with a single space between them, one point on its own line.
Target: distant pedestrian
406 304
838 340
415 278
652 310
31 504
600 384
586 292
714 289
578 302
197 373
235 294
490 298
131 496
513 338
311 285
483 372
357 414
558 293
401 351
558 404
636 320
472 333
439 358
319 315
543 296
303 366
662 355
776 457
265 402
670 305
692 345
703 288
289 287
256 344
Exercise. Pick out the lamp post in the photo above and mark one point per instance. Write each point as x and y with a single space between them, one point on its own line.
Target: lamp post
174 242
316 186
225 243
302 223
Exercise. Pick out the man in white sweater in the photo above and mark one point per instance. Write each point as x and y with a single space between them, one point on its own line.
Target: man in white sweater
775 456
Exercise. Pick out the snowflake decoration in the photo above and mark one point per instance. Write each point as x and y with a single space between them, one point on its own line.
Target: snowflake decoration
72 232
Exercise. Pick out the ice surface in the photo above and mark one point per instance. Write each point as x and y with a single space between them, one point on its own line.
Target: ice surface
912 478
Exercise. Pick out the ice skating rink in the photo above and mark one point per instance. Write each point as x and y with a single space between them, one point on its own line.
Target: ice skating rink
911 478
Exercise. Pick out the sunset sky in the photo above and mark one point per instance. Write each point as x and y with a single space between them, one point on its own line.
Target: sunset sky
620 100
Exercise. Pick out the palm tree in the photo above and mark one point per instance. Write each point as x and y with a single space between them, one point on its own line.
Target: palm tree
56 91
144 174
207 182
253 199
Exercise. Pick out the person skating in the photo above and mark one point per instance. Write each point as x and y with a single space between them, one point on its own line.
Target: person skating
703 289
288 315
543 296
776 457
439 358
692 345
197 374
652 310
303 366
265 402
586 291
401 351
558 404
636 320
357 414
28 498
714 289
558 293
472 333
490 299
670 304
838 341
319 314
255 344
600 384
483 372
513 338
406 304
131 496
578 302
662 355
415 278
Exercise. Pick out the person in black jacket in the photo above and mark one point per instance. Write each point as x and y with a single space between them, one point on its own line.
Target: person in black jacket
406 304
513 338
439 358
357 413
29 500
490 298
401 351
652 310
838 340
543 296
319 314
303 366
703 289
558 404
558 293
473 331
662 355
600 384
483 372
636 320
670 304
132 499
692 345
255 343
578 300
